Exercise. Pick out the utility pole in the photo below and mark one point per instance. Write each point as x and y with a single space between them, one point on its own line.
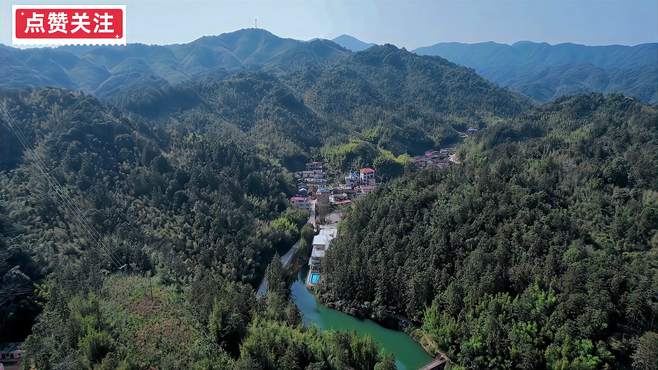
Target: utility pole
150 278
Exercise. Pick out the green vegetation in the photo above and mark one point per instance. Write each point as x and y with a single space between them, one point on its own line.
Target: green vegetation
539 251
272 345
545 72
289 97
131 323
187 224
357 154
389 98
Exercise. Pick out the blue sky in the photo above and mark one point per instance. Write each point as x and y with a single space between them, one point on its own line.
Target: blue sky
410 23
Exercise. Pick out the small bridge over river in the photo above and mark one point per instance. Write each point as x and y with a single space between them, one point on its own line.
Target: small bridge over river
438 363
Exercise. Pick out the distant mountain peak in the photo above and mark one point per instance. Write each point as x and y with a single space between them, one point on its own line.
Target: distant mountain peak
352 43
245 33
527 42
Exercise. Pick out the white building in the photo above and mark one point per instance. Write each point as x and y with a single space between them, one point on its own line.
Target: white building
321 243
367 176
352 180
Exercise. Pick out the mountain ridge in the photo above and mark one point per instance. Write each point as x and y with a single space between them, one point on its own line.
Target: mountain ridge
539 70
390 97
563 69
87 68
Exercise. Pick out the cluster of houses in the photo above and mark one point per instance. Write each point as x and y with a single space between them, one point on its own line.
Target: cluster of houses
315 191
308 182
312 176
312 184
356 184
434 159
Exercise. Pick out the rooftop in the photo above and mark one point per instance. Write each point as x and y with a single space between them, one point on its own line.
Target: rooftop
10 347
367 170
331 232
318 253
321 239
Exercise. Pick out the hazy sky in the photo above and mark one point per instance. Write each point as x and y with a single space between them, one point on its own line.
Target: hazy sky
410 23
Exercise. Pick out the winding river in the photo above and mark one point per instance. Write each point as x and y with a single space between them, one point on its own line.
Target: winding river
408 354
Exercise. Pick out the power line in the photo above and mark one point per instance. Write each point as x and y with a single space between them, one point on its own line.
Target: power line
65 201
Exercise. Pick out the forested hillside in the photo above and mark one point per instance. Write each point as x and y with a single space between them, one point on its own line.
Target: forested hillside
107 71
539 250
293 97
384 96
140 247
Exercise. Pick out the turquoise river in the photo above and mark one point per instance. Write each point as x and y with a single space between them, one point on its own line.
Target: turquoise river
408 354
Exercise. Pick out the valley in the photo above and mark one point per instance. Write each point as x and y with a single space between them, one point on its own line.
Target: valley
248 201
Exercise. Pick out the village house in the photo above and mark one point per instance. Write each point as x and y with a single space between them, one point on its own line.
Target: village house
321 243
367 176
434 158
421 162
316 180
301 202
339 199
314 166
322 195
366 189
351 180
11 353
309 173
344 189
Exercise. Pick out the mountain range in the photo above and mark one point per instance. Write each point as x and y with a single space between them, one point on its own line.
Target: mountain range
538 70
294 95
545 72
109 71
389 97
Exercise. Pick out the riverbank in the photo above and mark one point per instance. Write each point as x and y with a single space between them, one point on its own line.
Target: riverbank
366 311
408 354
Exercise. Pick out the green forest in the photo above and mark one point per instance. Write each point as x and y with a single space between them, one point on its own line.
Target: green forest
138 220
185 225
539 251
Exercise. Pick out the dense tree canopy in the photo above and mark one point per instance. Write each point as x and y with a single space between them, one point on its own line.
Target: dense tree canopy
387 97
539 250
184 225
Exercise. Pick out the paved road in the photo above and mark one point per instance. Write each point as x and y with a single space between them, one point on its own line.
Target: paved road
287 258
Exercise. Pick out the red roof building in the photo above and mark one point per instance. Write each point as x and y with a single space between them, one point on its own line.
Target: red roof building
300 202
367 176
